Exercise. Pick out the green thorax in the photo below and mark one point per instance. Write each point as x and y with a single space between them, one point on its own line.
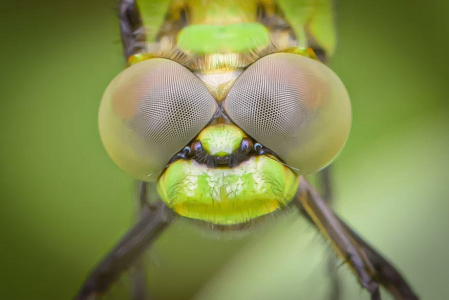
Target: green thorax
231 34
245 37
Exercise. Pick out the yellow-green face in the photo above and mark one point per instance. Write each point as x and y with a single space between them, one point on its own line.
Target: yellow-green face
293 107
225 195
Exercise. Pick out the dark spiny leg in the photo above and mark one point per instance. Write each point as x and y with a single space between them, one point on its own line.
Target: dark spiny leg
325 179
152 223
132 30
146 193
138 274
350 246
316 209
386 274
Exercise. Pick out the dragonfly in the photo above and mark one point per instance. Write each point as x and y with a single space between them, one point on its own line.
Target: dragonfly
224 108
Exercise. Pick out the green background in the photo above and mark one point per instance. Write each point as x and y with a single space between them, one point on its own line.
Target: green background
64 203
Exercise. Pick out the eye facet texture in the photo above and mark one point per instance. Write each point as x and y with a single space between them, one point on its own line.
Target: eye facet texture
149 112
295 106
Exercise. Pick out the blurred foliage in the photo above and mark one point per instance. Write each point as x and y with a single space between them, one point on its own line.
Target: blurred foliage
64 203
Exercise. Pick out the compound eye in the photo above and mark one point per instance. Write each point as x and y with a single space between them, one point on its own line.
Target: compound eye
295 106
149 112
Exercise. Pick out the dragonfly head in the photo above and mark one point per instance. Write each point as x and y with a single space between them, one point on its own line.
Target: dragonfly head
226 160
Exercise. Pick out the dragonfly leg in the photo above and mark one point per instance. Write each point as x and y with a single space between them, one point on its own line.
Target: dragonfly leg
368 264
131 28
152 223
138 274
316 209
325 179
386 274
